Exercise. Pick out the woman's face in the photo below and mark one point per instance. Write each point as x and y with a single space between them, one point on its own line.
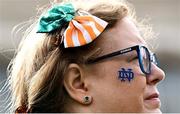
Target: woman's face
109 92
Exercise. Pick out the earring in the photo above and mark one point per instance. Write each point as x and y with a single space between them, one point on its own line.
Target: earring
87 99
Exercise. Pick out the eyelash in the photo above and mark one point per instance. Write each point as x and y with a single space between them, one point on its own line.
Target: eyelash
133 59
136 57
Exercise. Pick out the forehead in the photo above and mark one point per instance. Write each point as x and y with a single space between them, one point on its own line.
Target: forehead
123 35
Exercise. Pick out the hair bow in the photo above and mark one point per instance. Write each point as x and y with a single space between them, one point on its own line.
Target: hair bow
81 30
56 17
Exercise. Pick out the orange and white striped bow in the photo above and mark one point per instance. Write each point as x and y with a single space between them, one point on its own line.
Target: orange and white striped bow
83 30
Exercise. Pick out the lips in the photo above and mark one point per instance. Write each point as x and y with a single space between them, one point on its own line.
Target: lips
152 101
152 96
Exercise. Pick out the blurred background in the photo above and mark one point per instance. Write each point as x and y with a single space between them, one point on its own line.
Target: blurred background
165 18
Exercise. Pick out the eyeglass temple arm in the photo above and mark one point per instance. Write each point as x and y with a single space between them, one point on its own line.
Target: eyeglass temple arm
123 51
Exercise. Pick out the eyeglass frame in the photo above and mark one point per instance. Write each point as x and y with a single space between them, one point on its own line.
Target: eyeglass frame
152 57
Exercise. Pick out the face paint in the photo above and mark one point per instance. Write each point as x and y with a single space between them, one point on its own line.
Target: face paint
125 74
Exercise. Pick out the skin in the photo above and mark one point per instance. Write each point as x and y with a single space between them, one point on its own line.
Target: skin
100 80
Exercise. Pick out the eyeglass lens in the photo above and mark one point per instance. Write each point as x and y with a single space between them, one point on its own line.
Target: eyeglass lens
145 57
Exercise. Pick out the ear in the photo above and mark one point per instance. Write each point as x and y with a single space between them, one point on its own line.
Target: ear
75 84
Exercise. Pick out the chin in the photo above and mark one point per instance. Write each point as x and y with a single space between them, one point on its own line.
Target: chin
157 111
152 106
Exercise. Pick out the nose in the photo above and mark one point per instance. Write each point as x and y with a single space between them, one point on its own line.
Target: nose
156 75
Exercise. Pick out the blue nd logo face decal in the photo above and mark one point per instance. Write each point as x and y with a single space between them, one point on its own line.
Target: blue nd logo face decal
125 74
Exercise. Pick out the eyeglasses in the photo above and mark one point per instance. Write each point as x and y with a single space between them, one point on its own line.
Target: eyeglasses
144 57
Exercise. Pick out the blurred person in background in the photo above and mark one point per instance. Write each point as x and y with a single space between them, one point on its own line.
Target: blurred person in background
85 57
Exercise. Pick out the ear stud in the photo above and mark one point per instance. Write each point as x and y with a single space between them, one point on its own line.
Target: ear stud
87 99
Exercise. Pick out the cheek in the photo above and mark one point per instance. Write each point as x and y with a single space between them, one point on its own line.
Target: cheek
132 79
130 92
119 96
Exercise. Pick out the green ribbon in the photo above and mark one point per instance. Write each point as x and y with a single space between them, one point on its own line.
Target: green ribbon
56 18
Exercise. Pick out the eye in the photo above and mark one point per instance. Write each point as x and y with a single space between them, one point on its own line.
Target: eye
134 58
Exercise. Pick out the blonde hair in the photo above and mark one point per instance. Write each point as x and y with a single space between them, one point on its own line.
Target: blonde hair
36 73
